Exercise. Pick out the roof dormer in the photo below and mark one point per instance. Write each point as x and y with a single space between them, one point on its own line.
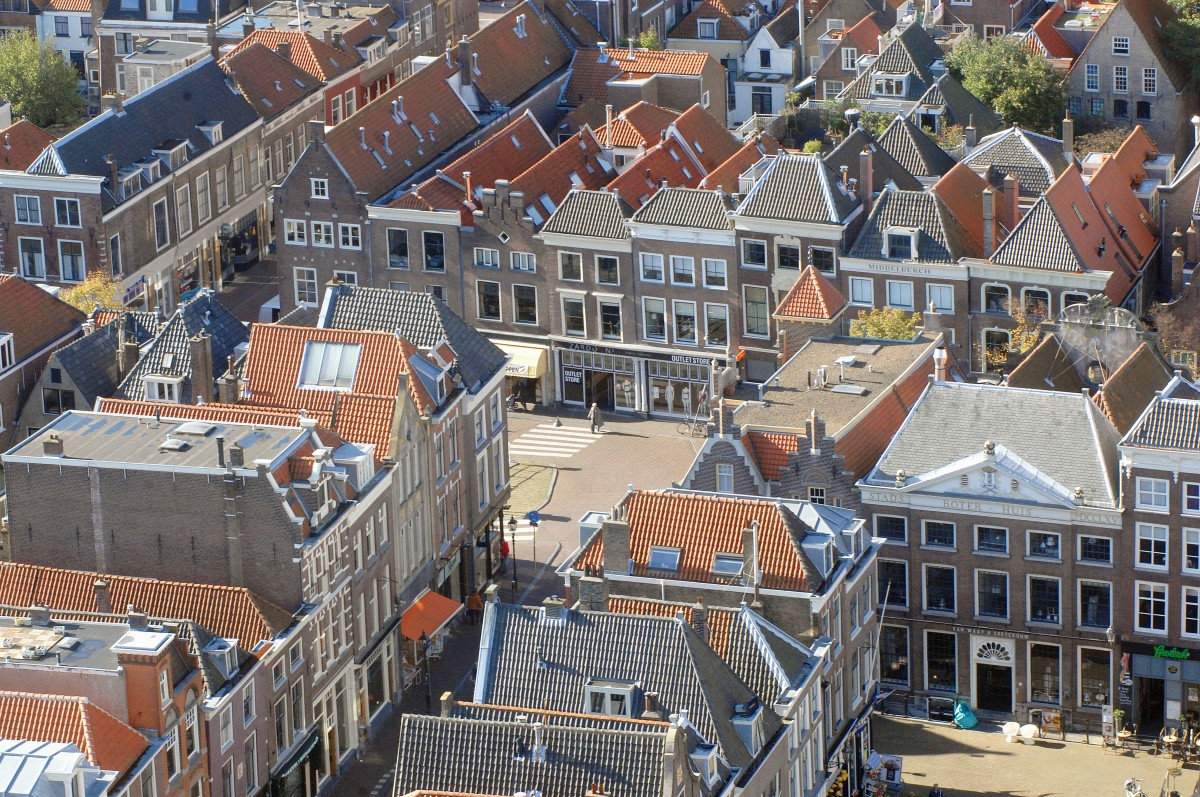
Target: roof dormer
213 131
611 698
705 760
888 85
747 719
900 243
173 153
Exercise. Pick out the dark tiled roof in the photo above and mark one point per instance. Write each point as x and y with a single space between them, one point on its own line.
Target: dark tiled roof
914 150
786 26
798 188
203 13
172 110
1035 160
420 318
1062 435
1168 423
911 53
91 361
170 354
884 165
942 239
530 662
597 214
961 106
1131 388
1039 241
484 756
686 207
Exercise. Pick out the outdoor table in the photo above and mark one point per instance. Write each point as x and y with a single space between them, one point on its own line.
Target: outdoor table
1123 737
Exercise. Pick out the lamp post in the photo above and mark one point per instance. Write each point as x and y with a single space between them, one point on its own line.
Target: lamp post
425 643
512 534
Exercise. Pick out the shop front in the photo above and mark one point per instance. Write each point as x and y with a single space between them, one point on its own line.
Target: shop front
296 775
634 380
1165 684
525 373
993 659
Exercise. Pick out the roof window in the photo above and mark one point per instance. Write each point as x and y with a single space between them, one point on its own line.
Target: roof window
609 698
727 565
329 365
665 559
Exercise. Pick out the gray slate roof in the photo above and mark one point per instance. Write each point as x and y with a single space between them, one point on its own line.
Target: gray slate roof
798 188
528 661
170 111
170 354
91 361
494 756
885 166
1063 435
421 318
1035 160
1172 423
942 238
785 28
686 207
919 154
961 106
597 214
1039 241
910 53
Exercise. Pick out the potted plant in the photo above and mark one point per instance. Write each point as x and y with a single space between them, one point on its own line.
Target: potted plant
1118 719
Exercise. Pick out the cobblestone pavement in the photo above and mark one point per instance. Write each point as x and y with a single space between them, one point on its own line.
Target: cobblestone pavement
250 288
647 454
979 763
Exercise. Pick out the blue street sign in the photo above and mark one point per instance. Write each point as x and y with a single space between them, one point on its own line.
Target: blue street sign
533 517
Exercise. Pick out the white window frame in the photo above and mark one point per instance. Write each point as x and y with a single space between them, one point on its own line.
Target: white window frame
651 257
1150 81
755 242
515 317
746 316
1191 538
161 245
1189 595
297 278
939 288
724 475
479 302
318 188
183 210
690 262
1120 50
694 340
725 310
33 207
901 284
322 231
707 28
203 197
68 204
350 236
1148 491
1091 77
82 275
666 336
523 258
724 271
1120 77
486 257
1157 588
1151 531
849 58
856 285
574 297
295 232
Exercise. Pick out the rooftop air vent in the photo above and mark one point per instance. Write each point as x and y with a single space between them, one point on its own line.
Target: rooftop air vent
195 428
171 444
852 390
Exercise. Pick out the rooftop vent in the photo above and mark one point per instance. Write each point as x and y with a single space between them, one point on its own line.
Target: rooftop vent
852 390
196 428
171 444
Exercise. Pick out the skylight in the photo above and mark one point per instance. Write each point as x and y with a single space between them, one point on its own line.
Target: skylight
728 565
666 559
329 365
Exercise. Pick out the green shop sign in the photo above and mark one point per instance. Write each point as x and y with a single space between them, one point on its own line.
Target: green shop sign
1164 652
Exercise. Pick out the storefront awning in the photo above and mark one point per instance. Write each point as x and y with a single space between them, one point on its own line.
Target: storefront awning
428 615
299 756
527 361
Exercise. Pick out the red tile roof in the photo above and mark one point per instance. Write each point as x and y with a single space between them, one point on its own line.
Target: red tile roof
1134 151
1049 41
1129 225
22 141
865 35
638 125
33 317
322 61
510 65
580 155
668 162
69 5
507 154
709 140
813 297
364 414
701 526
770 451
377 24
230 612
961 190
592 68
1068 194
864 444
726 175
107 742
267 80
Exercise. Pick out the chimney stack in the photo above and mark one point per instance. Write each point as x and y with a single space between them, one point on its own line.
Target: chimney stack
39 615
608 120
284 48
615 536
103 597
237 456
989 221
1176 273
970 135
447 703
554 610
1012 200
750 559
247 26
465 78
866 178
593 592
52 445
700 619
138 621
1068 139
203 384
653 710
939 363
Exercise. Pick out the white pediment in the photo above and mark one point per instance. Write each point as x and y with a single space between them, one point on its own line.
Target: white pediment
1000 475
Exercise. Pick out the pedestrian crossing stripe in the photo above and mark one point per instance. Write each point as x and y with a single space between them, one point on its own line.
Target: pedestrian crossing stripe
524 532
547 441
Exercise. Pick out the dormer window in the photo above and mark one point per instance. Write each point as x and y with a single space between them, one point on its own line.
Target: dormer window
7 352
609 698
706 28
173 154
900 244
704 757
151 169
890 85
223 653
163 388
747 720
213 132
664 559
131 182
329 365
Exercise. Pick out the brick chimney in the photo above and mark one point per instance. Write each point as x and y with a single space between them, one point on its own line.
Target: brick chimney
989 221
700 619
52 445
237 456
554 610
1012 200
284 48
203 386
653 709
1068 139
866 178
1176 273
39 615
447 703
103 597
593 592
466 77
615 536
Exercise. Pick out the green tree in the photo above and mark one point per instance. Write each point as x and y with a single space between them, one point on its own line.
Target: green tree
812 147
1182 36
1017 83
38 81
885 323
98 290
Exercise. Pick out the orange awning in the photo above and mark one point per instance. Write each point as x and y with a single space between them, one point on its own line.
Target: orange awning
428 614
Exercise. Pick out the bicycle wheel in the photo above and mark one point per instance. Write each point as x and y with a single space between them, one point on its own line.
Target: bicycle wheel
684 428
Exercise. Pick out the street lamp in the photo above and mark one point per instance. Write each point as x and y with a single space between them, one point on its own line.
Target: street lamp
425 644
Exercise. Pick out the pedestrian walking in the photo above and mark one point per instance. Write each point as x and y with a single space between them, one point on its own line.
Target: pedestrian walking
596 419
474 607
936 791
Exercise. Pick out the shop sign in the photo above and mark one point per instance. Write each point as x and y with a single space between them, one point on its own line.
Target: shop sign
134 291
1164 652
688 359
450 566
573 376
